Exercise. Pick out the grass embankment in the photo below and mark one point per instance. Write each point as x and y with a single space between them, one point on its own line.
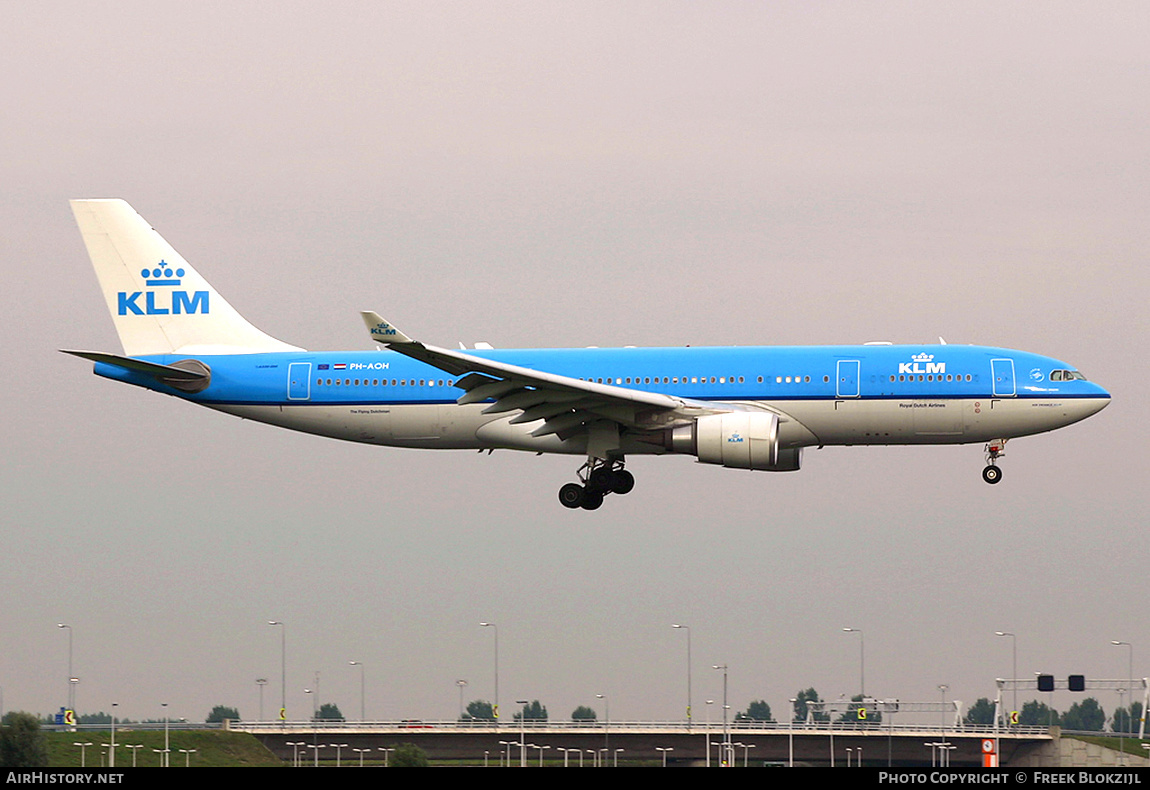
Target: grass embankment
215 748
1130 744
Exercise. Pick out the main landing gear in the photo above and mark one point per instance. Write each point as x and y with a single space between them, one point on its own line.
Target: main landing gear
994 450
599 479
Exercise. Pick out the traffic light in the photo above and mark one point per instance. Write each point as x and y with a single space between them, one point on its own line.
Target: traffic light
1046 682
1076 682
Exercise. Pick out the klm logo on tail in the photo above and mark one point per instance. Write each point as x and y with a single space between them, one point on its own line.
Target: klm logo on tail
178 302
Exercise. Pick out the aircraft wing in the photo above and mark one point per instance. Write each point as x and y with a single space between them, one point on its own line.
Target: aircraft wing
568 406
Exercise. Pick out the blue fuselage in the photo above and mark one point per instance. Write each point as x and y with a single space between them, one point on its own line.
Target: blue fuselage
871 394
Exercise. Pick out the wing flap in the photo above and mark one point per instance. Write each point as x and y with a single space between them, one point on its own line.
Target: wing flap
564 422
494 389
547 410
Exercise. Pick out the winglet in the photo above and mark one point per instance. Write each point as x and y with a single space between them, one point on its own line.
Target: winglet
382 331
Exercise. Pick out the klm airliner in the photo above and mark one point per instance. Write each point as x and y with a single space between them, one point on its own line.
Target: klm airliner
739 407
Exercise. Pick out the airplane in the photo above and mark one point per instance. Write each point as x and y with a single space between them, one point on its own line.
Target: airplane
753 407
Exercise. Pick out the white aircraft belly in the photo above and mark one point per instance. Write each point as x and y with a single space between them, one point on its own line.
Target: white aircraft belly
993 418
830 422
427 426
935 421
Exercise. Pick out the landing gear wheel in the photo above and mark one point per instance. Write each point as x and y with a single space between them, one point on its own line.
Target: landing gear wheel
602 480
992 474
592 500
599 477
623 483
573 495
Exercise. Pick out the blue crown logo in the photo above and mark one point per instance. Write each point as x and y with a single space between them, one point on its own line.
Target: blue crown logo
163 274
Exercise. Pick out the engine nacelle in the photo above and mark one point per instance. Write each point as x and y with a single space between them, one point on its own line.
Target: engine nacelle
739 440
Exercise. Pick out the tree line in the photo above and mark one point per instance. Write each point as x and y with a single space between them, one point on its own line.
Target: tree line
1085 716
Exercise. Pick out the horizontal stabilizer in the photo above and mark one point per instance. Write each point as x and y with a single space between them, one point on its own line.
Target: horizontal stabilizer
189 375
139 365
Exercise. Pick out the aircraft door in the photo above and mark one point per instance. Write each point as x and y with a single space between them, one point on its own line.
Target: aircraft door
299 381
1002 374
847 380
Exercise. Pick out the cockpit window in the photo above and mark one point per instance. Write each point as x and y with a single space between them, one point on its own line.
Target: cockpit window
1066 375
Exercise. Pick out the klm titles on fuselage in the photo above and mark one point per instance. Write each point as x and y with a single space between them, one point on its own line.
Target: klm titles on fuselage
922 364
178 302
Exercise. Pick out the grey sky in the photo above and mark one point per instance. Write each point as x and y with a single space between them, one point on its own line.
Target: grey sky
544 174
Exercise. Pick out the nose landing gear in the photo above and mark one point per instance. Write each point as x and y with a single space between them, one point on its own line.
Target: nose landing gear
994 450
599 478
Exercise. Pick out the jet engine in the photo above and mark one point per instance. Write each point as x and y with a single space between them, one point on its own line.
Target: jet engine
738 440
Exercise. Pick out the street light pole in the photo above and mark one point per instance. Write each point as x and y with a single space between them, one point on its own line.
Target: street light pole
283 667
1014 663
112 745
688 630
726 730
791 737
607 720
522 732
495 710
167 749
362 716
862 660
707 730
1130 685
71 702
72 695
462 685
942 689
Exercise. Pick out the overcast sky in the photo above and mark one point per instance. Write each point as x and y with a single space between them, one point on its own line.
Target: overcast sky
571 174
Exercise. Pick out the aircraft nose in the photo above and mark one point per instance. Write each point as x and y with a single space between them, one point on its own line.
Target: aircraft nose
1099 400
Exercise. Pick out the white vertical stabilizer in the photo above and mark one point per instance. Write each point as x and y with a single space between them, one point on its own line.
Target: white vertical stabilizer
158 302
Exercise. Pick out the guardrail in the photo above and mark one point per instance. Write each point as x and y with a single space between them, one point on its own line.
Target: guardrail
696 728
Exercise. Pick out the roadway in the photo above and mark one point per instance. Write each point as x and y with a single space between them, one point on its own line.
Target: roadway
631 742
